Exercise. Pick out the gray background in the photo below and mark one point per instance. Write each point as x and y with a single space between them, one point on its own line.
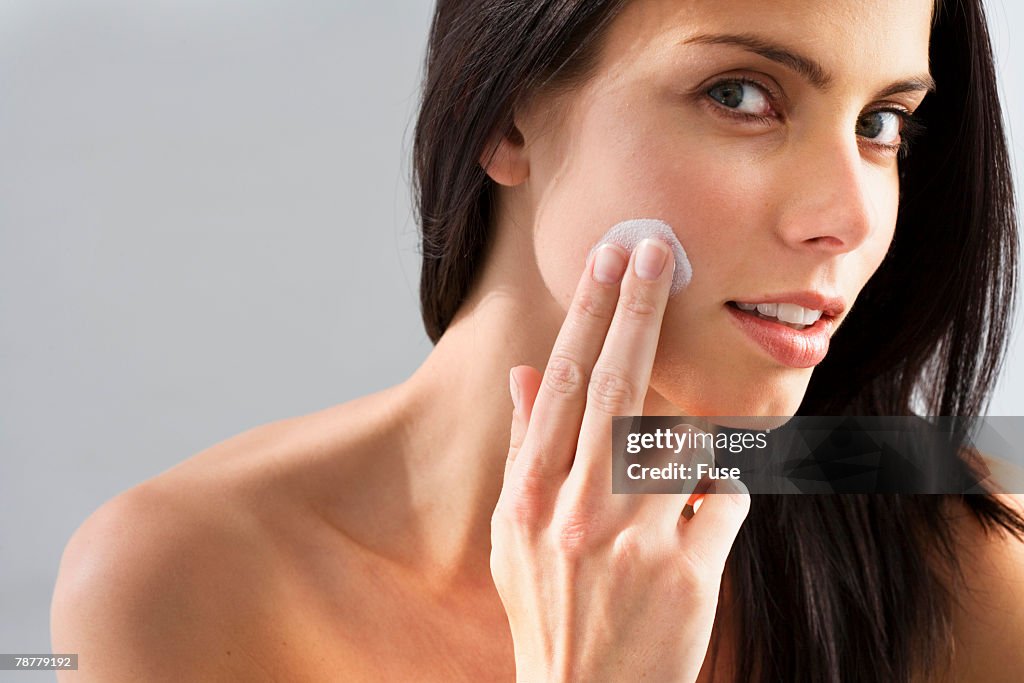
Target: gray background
205 226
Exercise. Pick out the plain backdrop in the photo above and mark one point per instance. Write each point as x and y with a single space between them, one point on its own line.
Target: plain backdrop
205 226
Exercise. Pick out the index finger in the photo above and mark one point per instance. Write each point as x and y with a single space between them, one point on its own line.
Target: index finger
623 369
550 442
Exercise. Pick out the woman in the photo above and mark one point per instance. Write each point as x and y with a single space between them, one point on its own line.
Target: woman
775 139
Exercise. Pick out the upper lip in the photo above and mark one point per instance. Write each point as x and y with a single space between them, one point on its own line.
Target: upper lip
830 306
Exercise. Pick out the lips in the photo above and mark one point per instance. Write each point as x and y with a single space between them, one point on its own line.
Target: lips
796 348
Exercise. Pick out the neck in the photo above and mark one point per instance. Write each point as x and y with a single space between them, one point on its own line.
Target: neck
458 413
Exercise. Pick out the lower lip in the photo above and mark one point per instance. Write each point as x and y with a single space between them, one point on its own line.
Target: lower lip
796 348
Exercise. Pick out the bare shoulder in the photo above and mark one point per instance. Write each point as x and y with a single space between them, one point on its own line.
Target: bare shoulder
142 584
989 619
192 575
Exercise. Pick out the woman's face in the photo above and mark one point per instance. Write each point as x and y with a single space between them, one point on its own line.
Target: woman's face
766 134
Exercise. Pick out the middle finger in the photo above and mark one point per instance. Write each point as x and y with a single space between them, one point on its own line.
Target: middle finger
619 382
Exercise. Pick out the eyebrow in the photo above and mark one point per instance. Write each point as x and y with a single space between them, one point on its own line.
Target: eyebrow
810 69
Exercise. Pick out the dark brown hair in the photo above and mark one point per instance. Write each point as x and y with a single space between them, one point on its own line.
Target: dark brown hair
827 588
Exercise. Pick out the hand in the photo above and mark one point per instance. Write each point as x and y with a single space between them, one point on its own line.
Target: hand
603 587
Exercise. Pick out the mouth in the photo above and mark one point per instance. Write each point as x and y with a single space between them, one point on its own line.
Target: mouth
794 334
791 315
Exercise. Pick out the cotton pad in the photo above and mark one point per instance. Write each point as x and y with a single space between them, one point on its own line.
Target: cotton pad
628 234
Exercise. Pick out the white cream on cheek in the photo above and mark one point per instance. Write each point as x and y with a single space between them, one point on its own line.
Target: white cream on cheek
628 234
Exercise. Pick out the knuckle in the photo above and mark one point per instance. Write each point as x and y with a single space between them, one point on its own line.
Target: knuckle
502 562
517 514
520 506
497 562
612 392
564 374
590 304
638 305
577 533
629 545
515 443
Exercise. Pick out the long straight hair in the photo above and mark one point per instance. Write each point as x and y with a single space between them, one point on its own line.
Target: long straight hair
827 588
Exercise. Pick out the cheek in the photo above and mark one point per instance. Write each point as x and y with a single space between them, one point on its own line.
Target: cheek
885 193
703 197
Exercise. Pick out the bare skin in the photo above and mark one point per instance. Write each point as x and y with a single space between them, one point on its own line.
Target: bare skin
261 585
354 543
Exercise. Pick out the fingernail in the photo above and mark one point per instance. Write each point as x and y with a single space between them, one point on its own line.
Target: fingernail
609 264
513 388
690 509
650 259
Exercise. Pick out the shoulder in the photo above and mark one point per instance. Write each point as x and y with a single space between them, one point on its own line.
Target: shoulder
155 585
989 611
211 570
182 576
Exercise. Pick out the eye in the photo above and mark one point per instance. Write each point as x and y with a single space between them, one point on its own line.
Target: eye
741 96
882 127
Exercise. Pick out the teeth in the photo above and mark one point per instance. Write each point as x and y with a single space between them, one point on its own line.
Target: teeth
811 316
797 316
791 313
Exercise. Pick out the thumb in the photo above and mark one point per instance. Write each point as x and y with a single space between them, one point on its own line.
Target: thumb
523 385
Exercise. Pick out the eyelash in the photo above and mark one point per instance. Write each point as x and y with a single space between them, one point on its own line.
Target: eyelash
910 125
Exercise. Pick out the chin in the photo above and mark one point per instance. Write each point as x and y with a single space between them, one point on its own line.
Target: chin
760 392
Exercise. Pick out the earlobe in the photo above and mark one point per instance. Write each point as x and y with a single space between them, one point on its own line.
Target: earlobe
505 160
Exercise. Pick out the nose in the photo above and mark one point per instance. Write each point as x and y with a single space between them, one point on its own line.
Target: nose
829 207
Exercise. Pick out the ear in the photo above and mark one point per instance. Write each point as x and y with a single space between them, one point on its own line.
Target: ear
504 158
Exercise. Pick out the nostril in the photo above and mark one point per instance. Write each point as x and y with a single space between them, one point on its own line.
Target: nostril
827 241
